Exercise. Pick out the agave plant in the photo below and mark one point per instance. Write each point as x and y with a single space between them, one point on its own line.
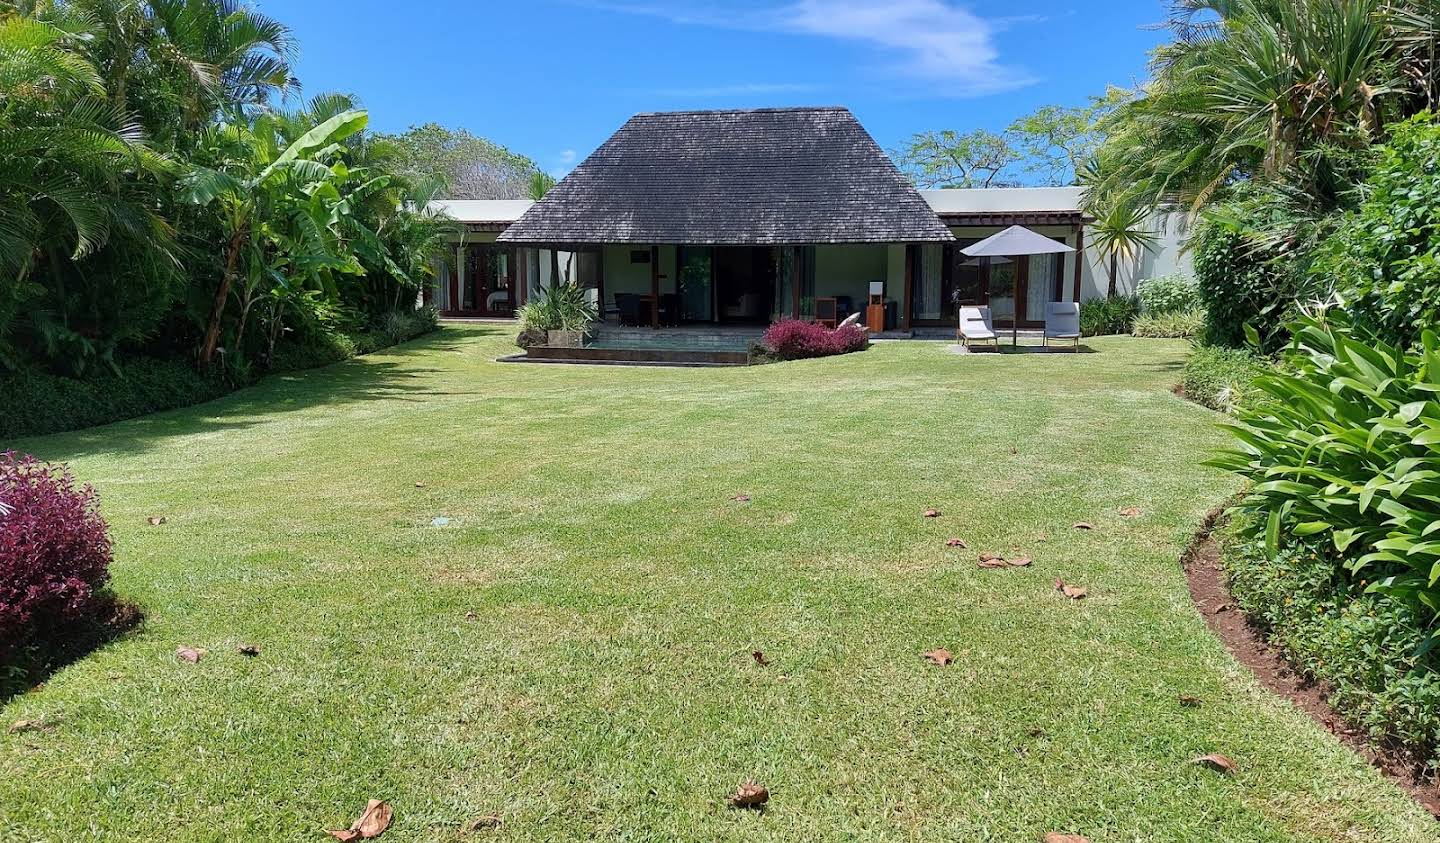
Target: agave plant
1346 450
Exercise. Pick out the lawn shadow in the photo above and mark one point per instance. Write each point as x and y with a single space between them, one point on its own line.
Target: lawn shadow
367 378
60 648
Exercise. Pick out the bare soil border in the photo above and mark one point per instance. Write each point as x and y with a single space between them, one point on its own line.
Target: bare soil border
1246 640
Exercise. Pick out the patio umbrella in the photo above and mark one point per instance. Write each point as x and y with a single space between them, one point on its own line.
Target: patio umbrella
1013 242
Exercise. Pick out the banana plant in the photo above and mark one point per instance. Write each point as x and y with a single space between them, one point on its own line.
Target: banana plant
256 184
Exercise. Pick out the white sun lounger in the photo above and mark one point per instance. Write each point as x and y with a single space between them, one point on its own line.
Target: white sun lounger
975 327
1062 322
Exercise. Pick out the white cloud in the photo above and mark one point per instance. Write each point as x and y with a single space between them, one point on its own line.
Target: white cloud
929 39
937 42
567 156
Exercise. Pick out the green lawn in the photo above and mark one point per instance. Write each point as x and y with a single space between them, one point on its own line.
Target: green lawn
603 686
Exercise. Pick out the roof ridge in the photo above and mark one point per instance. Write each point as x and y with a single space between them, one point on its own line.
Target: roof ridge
787 109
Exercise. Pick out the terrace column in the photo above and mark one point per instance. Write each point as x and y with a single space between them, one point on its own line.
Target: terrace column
1079 258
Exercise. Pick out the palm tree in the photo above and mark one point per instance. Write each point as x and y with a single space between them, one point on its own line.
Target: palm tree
1122 231
540 184
1257 88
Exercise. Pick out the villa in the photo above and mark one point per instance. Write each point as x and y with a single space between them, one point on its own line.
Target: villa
744 217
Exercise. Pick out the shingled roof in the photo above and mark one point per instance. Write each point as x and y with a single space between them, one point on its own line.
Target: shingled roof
762 176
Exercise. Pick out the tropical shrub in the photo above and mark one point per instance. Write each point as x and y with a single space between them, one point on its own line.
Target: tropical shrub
1385 256
795 339
1368 648
54 553
1345 459
1110 315
1168 294
1183 324
39 402
562 307
1221 378
1243 280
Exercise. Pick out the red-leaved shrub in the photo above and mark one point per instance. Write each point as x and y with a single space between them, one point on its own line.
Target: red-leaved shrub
54 552
794 339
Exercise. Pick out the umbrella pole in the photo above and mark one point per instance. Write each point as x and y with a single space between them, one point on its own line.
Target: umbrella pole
1015 305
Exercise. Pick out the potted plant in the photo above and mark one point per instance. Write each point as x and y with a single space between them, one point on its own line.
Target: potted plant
563 312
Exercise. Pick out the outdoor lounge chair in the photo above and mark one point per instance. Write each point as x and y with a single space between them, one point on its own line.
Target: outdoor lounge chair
975 327
1062 322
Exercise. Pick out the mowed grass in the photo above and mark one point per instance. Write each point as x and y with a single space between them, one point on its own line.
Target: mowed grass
571 653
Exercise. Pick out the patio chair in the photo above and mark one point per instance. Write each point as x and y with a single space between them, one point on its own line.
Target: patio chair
1062 322
629 306
975 327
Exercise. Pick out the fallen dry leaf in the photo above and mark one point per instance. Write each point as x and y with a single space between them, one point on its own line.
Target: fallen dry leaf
1083 525
1022 562
932 513
1189 700
992 560
156 520
741 498
470 616
759 658
191 655
960 543
483 823
1217 762
1057 837
371 824
248 650
749 795
1074 592
1131 512
419 485
940 657
43 724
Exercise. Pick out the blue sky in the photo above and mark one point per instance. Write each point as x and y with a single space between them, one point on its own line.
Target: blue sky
553 78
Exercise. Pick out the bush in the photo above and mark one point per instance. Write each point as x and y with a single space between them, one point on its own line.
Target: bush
795 339
1110 315
1221 378
563 307
1385 257
1167 294
54 554
1252 258
1346 457
39 402
1184 324
1363 645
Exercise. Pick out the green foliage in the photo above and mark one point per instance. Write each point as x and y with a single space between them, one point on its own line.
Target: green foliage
154 199
946 158
1048 146
469 167
1221 378
1281 92
38 402
1346 456
563 307
1385 256
1182 324
1110 315
1252 257
1365 647
1167 294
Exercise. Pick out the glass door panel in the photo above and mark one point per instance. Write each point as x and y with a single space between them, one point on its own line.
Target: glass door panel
1002 289
697 279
